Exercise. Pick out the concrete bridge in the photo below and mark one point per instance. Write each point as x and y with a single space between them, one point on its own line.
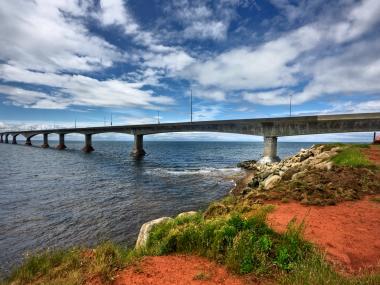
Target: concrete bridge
270 129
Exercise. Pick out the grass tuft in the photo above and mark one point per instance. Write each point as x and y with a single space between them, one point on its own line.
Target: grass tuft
244 244
352 156
72 266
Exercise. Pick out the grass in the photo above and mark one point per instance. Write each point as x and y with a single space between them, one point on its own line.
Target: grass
315 270
375 199
202 276
231 231
241 241
352 155
72 266
244 243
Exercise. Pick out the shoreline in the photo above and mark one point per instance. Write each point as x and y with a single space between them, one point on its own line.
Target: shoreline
247 198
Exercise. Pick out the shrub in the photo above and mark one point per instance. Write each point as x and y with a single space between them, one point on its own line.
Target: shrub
244 244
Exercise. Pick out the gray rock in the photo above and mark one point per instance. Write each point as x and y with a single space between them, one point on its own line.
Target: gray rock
146 229
271 181
185 214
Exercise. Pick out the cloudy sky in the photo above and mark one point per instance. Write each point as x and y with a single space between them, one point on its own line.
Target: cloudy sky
83 60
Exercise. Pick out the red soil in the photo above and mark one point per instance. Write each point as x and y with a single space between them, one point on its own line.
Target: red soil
176 269
349 232
373 153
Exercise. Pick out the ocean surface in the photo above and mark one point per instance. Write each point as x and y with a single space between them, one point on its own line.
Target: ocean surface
56 199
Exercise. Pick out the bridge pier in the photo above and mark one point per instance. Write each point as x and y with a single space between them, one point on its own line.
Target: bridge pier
1 138
88 144
6 138
28 141
270 151
61 144
14 140
46 141
138 146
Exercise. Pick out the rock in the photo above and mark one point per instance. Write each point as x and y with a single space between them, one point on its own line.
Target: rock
271 181
298 175
263 175
186 214
324 165
146 229
324 155
248 164
254 183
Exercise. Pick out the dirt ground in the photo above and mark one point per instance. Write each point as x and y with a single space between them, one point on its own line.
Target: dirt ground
177 269
349 232
373 153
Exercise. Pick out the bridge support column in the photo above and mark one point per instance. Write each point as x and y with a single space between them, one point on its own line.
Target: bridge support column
28 142
6 139
270 151
1 139
46 141
88 144
14 141
61 144
138 146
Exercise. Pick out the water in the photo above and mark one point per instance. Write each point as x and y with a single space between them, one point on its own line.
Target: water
51 198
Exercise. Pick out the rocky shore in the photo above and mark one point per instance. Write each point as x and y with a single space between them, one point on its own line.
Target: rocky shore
277 225
309 177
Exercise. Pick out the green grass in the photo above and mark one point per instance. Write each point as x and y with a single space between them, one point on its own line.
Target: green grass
315 270
243 244
71 266
352 155
375 199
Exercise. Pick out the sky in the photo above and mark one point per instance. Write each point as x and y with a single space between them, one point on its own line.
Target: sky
84 61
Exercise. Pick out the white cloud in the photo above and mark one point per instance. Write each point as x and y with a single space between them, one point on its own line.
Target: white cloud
206 113
268 73
358 21
203 20
274 97
38 35
77 90
267 66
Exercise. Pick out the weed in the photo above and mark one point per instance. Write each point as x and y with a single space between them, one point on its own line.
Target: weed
71 266
202 276
375 199
352 156
244 244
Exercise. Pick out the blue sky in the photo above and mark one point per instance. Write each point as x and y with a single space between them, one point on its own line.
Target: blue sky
83 60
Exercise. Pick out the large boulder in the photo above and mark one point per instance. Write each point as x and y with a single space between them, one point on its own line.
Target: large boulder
187 214
271 181
146 229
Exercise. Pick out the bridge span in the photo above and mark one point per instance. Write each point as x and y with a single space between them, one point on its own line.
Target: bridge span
269 128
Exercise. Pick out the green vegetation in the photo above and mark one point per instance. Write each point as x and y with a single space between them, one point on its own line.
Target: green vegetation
243 243
352 155
315 270
240 239
232 231
72 266
375 199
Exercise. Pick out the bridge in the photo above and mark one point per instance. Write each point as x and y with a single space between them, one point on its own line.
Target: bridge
269 128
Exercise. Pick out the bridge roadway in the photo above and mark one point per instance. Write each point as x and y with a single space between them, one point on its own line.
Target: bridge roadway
269 128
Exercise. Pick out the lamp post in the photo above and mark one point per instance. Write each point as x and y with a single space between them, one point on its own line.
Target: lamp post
158 117
191 105
290 105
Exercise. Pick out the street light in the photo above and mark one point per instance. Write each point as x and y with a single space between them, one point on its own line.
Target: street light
191 105
290 105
